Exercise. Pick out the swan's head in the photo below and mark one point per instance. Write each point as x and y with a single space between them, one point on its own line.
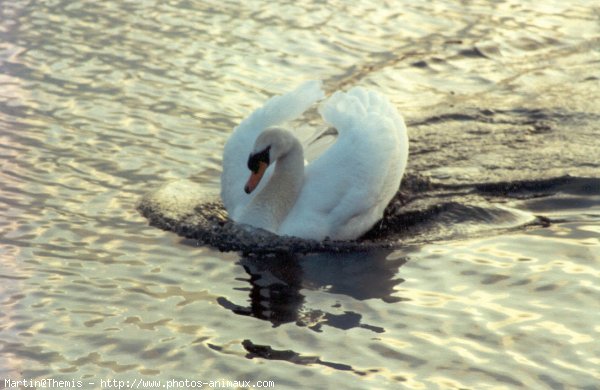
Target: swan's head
270 145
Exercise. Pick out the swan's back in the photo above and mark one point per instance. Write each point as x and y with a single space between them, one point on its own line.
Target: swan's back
347 188
275 111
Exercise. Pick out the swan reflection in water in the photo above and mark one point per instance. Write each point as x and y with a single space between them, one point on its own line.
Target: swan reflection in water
276 283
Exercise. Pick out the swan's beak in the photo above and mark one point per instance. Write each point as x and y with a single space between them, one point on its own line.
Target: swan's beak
255 177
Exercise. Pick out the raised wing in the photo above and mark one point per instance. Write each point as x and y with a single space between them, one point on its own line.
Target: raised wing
347 188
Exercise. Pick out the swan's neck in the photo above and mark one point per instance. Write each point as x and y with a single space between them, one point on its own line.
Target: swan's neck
272 204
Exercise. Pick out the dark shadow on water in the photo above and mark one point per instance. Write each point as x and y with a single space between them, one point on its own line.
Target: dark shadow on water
268 353
422 212
274 292
276 284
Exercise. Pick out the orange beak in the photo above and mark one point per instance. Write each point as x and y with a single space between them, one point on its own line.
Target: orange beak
255 177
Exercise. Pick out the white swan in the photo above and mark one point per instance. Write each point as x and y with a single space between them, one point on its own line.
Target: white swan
341 194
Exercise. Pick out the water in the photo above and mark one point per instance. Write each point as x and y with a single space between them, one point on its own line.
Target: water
101 102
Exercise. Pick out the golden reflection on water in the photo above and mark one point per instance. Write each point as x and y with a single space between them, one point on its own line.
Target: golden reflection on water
101 101
542 304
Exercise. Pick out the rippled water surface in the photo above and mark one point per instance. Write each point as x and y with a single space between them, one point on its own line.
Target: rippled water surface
100 102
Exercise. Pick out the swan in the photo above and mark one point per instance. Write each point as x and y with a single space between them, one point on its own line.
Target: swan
342 193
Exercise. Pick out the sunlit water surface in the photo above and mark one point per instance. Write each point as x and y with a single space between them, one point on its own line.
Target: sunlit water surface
102 101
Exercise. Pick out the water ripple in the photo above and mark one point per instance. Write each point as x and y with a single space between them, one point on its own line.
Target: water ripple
101 102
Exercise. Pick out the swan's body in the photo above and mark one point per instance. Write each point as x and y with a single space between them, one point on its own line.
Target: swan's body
341 194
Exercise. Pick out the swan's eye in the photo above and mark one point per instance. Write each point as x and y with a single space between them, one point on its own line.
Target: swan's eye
256 158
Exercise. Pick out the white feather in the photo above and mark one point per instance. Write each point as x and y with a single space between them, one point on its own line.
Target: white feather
275 111
343 192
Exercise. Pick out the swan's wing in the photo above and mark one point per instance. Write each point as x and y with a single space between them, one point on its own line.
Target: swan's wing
347 188
276 110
